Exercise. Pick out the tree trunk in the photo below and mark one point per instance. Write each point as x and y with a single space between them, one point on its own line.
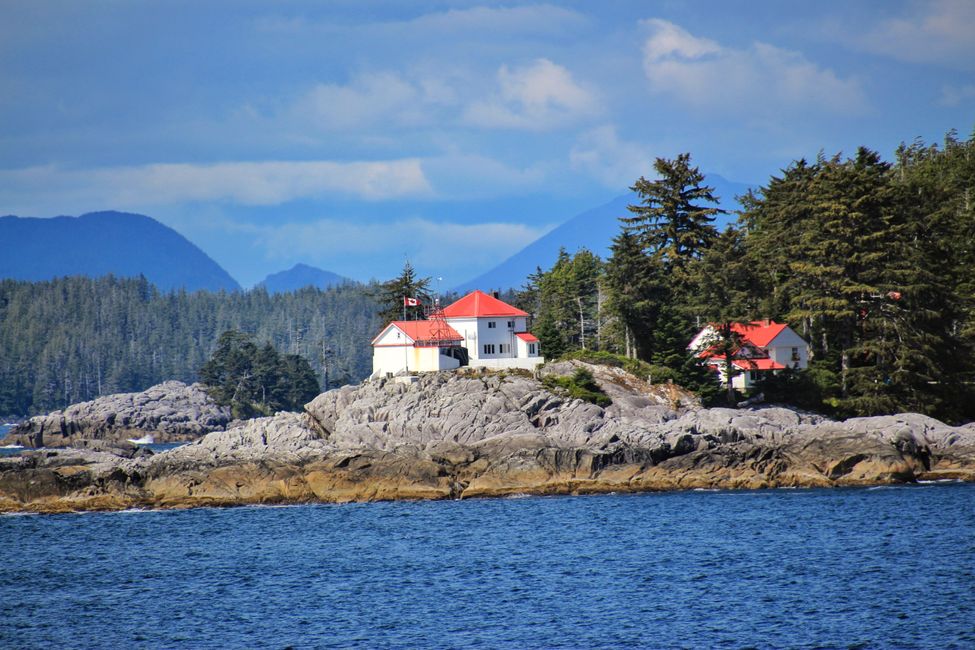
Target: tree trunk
582 324
844 367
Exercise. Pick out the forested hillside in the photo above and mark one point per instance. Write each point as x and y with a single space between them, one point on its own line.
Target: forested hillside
872 261
72 339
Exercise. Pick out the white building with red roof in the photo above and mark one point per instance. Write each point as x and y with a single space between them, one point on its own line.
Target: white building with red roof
478 330
765 346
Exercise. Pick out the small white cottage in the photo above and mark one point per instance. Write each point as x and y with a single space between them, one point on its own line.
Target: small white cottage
766 346
478 330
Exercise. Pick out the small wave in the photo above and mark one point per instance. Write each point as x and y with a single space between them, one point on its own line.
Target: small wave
518 495
12 447
941 481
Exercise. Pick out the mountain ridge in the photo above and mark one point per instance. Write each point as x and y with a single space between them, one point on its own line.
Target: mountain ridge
300 276
108 242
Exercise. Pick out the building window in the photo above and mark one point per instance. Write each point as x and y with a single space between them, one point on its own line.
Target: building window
505 348
489 348
795 354
531 348
492 324
511 324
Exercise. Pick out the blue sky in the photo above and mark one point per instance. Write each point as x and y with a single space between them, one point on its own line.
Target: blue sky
351 134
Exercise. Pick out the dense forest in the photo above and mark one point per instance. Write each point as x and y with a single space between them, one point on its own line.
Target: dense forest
873 262
73 339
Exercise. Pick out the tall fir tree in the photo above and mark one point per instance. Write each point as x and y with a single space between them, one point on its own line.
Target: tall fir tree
391 295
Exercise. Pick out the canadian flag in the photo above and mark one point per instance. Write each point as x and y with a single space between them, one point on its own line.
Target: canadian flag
411 302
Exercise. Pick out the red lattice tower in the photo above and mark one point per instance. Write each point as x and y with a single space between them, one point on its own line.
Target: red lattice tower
442 335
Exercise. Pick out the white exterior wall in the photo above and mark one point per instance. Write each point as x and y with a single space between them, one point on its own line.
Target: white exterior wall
477 333
523 350
393 352
467 328
742 381
501 364
780 349
394 359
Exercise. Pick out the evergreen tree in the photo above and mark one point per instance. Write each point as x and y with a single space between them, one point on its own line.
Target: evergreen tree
254 380
391 295
635 287
724 295
673 221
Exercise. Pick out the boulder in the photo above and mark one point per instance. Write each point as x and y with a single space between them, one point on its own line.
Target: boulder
170 412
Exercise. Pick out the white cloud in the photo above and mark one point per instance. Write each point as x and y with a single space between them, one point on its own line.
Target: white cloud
470 176
246 183
942 31
952 96
430 244
490 22
531 19
615 163
538 96
762 79
385 98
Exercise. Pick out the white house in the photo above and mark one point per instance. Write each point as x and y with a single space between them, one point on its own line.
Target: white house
478 330
766 346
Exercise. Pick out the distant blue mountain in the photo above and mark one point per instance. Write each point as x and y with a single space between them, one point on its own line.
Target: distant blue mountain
102 243
593 229
300 276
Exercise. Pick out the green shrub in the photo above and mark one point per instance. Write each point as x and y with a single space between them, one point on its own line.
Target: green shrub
633 366
581 385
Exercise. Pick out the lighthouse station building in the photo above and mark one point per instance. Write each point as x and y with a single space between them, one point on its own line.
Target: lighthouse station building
478 330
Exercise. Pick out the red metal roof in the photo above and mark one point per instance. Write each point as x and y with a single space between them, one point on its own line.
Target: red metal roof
424 330
527 337
759 332
478 304
757 364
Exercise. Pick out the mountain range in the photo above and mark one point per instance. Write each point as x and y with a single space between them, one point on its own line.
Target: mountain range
126 245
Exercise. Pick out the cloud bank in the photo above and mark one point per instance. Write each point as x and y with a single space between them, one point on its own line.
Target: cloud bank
762 79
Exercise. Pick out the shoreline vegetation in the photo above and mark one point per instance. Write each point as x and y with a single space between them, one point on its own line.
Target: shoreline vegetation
471 434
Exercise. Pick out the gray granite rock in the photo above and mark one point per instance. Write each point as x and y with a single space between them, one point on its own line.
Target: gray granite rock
170 411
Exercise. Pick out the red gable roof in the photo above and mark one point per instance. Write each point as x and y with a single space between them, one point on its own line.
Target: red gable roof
527 337
478 304
757 364
424 330
759 332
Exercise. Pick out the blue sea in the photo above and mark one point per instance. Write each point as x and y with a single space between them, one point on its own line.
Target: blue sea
890 567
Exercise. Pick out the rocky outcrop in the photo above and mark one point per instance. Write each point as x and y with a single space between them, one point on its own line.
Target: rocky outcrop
457 435
170 412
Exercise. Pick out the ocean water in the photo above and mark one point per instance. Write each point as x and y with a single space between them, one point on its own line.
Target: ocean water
846 568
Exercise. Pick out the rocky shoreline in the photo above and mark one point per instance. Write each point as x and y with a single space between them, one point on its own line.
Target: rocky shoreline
171 412
461 435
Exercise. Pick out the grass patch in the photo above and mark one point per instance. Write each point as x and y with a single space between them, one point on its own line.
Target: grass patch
581 385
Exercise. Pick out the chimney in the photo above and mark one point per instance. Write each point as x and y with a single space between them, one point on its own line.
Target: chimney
496 295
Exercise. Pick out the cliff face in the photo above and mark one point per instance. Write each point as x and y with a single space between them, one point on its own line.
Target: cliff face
455 436
170 412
